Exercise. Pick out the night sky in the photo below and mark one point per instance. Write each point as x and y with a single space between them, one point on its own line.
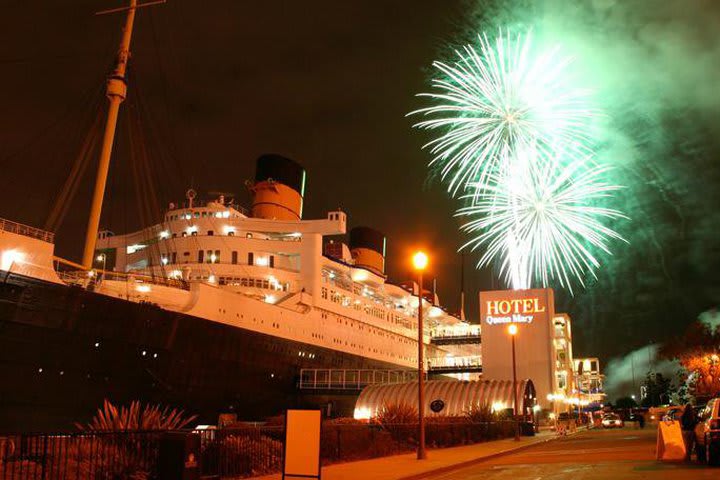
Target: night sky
328 83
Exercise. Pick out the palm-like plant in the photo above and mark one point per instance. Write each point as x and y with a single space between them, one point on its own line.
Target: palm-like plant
136 417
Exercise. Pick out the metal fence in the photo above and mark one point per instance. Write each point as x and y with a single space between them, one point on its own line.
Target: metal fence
241 451
76 456
230 453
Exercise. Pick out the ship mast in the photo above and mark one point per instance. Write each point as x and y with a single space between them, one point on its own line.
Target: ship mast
116 92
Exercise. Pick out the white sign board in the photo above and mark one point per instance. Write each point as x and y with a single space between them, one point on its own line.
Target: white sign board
302 444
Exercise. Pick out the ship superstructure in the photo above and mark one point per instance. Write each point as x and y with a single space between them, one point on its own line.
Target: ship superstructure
266 270
214 309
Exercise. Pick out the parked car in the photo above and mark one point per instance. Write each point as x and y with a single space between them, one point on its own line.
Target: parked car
707 433
612 420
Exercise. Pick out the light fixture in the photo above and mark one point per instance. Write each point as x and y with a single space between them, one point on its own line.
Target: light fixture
420 260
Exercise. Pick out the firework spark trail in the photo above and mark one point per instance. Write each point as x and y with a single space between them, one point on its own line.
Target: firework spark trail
539 219
515 137
499 100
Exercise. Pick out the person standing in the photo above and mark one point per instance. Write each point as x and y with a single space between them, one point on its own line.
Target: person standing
688 420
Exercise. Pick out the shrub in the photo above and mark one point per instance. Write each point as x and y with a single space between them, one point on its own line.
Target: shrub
481 414
397 413
399 420
354 442
250 455
136 417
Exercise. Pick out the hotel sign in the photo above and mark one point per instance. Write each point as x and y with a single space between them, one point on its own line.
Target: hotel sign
520 306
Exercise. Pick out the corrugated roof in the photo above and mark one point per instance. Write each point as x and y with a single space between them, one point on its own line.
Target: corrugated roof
457 396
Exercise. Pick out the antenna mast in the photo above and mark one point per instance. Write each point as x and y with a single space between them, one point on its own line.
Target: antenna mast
116 93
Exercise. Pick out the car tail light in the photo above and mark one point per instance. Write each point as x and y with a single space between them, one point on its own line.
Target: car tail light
715 424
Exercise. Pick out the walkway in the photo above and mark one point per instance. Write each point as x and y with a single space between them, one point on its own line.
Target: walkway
407 467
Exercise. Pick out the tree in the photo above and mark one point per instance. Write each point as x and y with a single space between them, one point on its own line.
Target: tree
698 351
657 390
625 402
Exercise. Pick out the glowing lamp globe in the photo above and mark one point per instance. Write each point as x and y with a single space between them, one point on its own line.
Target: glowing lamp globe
512 329
420 261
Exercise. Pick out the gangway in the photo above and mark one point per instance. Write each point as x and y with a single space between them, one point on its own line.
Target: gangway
460 339
447 365
350 380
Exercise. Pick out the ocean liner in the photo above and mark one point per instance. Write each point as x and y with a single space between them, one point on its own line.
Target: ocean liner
213 309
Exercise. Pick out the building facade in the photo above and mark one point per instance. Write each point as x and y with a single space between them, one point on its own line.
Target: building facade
543 343
589 380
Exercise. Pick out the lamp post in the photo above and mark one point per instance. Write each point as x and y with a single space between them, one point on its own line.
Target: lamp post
513 330
420 261
102 258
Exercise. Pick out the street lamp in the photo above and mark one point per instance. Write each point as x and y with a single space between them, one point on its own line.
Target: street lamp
420 262
102 258
513 330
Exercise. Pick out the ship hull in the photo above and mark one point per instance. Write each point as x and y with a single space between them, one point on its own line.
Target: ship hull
64 349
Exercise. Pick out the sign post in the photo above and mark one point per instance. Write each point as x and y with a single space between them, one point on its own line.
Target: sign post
301 456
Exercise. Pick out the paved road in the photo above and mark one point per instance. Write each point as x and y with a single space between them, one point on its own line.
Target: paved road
619 454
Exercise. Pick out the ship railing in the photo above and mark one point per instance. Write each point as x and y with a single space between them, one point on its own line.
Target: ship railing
94 278
26 230
351 379
467 361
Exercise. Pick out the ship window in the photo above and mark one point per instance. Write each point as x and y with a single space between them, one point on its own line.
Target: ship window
231 233
184 234
251 258
249 235
234 258
194 233
210 233
272 261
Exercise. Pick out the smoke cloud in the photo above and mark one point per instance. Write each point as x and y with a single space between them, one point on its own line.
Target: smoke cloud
624 375
653 67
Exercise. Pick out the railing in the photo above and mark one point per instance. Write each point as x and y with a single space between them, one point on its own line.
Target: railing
83 455
26 230
456 339
353 379
241 451
455 364
231 453
93 278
